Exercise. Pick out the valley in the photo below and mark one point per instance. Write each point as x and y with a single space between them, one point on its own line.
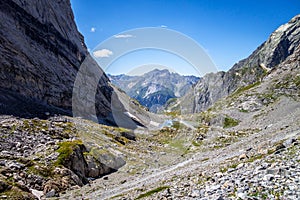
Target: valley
70 131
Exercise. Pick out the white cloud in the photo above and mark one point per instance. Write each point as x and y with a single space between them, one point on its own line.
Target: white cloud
123 36
102 53
93 29
163 26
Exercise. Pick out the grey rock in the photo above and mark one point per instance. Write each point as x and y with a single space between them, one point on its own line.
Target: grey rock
272 171
41 53
51 193
15 165
241 195
268 177
3 186
195 193
129 135
289 142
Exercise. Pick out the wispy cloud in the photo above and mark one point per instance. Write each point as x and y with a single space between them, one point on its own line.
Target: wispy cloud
163 26
93 30
102 53
123 36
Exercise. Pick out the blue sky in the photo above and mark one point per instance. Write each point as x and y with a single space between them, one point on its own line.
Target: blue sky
228 30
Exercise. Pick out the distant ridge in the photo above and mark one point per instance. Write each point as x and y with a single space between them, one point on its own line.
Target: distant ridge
154 88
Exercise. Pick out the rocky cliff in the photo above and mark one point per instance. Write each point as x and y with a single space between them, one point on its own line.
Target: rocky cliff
281 44
41 51
41 57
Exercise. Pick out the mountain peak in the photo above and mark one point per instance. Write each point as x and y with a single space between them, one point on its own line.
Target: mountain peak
281 44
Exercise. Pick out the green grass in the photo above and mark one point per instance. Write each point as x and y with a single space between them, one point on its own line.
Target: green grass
176 125
255 157
149 193
196 144
245 88
44 171
204 159
179 145
66 149
173 114
243 110
117 196
230 122
15 193
225 169
297 81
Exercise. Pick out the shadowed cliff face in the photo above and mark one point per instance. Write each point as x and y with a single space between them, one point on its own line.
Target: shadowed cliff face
41 52
281 44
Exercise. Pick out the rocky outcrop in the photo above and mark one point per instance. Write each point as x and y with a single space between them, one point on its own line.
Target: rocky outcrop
41 52
46 157
281 44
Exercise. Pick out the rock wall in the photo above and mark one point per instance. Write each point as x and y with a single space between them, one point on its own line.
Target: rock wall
41 51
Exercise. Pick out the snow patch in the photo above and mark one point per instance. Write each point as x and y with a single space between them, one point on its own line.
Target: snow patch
151 89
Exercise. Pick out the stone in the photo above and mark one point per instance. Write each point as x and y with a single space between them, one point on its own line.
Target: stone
241 165
272 171
37 193
93 172
242 195
268 177
289 142
243 156
3 186
215 187
51 193
15 166
195 193
129 135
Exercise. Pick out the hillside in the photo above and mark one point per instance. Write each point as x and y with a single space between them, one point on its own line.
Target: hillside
281 44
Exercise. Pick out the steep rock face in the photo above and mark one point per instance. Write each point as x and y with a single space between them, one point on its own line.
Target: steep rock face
281 44
41 52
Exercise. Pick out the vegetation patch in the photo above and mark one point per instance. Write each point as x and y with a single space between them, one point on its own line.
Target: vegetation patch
196 143
243 110
95 152
179 144
15 193
245 88
230 122
45 171
297 81
225 169
66 149
206 116
255 157
149 193
176 125
224 141
173 114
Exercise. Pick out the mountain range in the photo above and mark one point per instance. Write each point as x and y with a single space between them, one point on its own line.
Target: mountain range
153 89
